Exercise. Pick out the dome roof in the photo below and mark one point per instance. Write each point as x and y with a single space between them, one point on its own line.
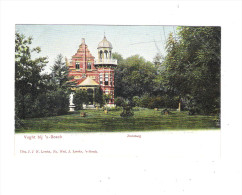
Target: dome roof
105 43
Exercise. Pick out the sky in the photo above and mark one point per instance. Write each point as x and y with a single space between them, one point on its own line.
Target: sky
146 41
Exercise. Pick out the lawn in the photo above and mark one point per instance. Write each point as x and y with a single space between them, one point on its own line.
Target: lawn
98 121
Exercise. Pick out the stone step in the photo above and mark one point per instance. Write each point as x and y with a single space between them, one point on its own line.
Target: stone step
90 107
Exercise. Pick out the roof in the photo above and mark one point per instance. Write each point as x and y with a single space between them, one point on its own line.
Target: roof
88 82
105 43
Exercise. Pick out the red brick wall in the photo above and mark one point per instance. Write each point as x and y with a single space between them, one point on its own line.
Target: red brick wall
83 56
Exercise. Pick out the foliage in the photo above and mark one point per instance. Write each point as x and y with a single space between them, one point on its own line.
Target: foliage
29 82
59 74
127 111
118 57
98 97
38 94
136 101
134 76
52 103
193 67
163 101
80 97
119 101
106 98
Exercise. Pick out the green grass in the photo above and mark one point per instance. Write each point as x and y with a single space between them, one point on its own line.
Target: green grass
98 121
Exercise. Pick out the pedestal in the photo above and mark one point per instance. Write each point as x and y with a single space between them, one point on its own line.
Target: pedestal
72 108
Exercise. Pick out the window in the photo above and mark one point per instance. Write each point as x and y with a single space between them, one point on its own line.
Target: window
89 66
106 54
106 78
100 79
77 65
111 80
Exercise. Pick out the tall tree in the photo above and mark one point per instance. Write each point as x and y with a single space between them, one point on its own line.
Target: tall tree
193 67
28 78
59 73
134 77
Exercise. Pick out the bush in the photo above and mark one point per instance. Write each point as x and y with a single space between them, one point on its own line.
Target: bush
52 103
191 106
99 97
136 108
114 108
119 101
80 98
156 102
127 111
144 101
136 101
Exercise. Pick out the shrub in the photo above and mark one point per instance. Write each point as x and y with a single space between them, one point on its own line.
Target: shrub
144 101
119 101
156 102
127 111
136 101
80 98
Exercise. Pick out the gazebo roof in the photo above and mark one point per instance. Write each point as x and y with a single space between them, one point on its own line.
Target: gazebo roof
88 82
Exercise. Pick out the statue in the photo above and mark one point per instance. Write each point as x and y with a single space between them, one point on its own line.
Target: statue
71 99
71 106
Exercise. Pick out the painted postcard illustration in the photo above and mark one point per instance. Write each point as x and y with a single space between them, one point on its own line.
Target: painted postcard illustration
107 78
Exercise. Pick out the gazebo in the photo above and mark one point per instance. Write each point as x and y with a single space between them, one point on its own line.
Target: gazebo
90 86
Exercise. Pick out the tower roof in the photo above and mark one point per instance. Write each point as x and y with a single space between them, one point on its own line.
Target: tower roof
104 43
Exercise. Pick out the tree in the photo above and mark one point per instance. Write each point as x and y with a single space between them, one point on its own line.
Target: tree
38 94
118 57
98 96
28 78
59 74
80 98
134 76
193 68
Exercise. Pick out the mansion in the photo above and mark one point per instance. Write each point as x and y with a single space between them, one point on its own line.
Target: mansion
90 73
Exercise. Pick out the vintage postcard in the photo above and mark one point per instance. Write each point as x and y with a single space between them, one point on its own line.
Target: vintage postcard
128 79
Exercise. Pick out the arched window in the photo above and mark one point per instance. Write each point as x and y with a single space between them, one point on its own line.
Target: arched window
101 53
110 55
106 54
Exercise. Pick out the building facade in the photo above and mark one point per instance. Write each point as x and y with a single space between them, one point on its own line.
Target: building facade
90 73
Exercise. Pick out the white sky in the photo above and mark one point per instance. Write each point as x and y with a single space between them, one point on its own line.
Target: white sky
126 40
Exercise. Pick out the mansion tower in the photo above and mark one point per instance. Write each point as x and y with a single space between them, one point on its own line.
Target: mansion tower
90 73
